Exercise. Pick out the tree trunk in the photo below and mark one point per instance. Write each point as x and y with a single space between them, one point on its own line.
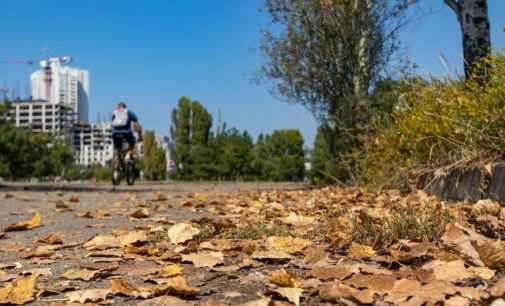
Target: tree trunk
474 22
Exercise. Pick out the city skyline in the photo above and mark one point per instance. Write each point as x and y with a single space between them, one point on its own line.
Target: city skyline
149 55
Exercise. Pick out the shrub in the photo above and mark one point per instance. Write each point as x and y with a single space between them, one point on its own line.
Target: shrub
436 123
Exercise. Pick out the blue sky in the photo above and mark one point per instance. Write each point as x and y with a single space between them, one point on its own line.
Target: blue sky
150 53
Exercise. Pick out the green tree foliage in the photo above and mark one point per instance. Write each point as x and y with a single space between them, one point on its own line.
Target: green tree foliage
231 154
181 132
25 154
237 155
153 158
327 55
284 156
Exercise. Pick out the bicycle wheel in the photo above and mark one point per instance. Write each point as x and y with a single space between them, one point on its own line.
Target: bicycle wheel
130 173
115 173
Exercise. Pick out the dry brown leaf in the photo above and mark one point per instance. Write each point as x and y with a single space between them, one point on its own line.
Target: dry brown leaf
297 220
482 272
60 204
460 236
285 278
13 248
73 199
287 244
498 289
18 292
333 292
177 286
339 272
140 213
204 259
119 286
402 290
452 271
50 239
102 266
88 295
293 295
315 253
492 253
182 232
359 251
25 225
375 282
271 255
133 237
82 274
102 242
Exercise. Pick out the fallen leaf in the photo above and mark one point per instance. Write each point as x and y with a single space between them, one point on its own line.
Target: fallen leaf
339 272
492 253
333 292
358 251
171 270
102 242
297 220
482 272
140 213
271 255
291 294
50 239
375 282
452 271
88 295
498 289
73 199
199 260
18 292
21 226
287 244
82 274
285 278
119 286
182 232
133 237
13 248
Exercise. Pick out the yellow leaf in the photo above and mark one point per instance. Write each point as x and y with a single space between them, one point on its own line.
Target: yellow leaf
20 292
359 251
170 271
21 226
285 278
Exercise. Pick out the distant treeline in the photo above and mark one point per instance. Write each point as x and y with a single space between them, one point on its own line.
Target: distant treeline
198 153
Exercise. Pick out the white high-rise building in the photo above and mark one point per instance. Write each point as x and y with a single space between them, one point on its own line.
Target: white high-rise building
69 86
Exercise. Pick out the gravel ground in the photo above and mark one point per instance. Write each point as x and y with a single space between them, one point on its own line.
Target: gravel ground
19 203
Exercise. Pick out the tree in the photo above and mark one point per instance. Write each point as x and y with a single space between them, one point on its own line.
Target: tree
180 132
286 156
201 122
237 154
473 19
327 55
153 158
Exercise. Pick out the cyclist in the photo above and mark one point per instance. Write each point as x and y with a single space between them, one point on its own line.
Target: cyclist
122 120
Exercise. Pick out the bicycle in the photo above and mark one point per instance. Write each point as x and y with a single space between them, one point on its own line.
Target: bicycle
126 167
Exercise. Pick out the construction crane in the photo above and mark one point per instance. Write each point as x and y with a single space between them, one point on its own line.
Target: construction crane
46 66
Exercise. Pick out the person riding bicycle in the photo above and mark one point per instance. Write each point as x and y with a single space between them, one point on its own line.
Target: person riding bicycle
122 120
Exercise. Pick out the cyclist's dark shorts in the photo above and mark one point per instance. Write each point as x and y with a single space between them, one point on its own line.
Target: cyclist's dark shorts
118 138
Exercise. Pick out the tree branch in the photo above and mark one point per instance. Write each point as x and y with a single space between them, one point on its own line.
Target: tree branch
453 5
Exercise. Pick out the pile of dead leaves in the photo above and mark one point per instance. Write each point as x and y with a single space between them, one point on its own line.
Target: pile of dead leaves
276 247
